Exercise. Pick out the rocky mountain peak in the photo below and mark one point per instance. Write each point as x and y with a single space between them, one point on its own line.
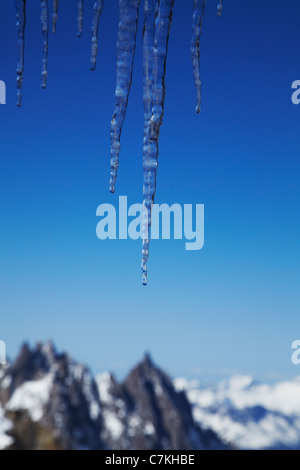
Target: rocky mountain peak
53 402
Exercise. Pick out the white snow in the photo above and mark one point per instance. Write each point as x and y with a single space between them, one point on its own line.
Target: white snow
94 410
149 429
32 397
134 420
90 396
6 382
113 425
104 384
232 409
112 417
134 423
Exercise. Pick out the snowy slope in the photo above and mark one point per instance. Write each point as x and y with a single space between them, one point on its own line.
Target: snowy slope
248 414
32 396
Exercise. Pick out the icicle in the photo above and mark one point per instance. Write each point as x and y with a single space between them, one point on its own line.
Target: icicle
54 15
128 21
80 18
220 8
163 23
199 10
148 47
150 11
21 22
98 7
45 31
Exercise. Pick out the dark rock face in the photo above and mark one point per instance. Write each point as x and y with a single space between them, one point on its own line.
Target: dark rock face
28 435
168 411
146 412
54 403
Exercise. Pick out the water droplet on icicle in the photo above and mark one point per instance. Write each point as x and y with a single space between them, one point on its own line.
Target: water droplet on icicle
54 15
126 44
220 8
199 10
21 22
45 32
80 19
163 22
98 7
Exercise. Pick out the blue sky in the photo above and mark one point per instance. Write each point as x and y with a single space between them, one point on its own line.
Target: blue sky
232 307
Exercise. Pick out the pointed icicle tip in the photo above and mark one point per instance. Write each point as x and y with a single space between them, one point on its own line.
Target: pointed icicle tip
144 279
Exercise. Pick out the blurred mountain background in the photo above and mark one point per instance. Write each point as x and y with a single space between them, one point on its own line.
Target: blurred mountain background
48 401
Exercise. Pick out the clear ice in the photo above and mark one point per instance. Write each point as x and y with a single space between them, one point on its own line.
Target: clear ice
54 15
80 19
45 32
158 16
162 27
199 10
98 7
21 22
126 44
150 11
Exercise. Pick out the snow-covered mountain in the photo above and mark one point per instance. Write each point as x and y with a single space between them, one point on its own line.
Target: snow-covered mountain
146 412
250 415
49 401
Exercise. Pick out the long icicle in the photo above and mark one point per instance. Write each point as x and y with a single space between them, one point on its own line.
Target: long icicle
80 19
98 7
163 24
199 10
126 44
45 32
150 12
54 15
21 22
220 8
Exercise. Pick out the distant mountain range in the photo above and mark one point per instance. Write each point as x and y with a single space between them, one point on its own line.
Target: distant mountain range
50 402
248 414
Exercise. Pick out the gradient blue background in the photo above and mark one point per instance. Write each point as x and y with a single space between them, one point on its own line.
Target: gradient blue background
232 307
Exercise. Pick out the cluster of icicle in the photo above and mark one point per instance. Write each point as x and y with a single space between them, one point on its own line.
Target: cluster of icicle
21 23
157 25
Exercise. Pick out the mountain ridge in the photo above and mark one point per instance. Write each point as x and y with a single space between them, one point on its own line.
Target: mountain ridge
48 401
